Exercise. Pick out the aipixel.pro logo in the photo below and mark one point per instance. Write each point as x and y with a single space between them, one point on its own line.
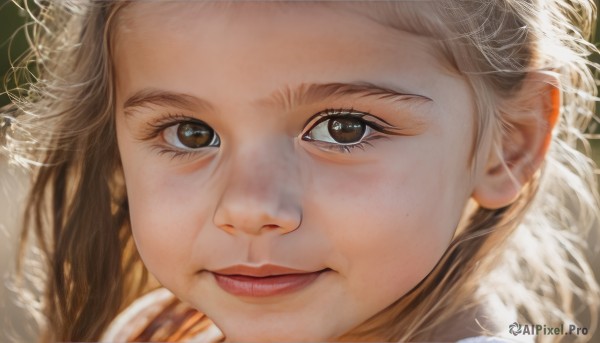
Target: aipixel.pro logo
516 329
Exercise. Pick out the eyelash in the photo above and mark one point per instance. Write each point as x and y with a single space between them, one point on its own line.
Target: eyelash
156 129
331 113
169 119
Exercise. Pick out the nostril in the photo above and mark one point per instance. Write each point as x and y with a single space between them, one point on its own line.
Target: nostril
270 226
227 228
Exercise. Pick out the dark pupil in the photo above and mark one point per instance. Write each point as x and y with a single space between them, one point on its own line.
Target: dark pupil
346 130
193 135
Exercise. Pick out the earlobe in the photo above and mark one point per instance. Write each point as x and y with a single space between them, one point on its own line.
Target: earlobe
519 151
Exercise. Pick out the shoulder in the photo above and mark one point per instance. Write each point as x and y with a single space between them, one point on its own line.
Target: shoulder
159 316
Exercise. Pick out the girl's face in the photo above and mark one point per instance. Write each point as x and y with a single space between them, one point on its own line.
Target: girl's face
304 136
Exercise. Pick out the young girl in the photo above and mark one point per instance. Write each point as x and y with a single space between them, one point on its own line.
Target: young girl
309 171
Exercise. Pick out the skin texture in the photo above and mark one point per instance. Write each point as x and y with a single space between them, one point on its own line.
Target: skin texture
379 217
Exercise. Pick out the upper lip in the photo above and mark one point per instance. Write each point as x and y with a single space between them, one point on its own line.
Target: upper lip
264 270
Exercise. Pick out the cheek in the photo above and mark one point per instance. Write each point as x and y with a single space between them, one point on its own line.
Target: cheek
166 210
392 221
168 214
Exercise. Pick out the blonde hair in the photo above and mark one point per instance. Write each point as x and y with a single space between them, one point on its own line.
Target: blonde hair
528 256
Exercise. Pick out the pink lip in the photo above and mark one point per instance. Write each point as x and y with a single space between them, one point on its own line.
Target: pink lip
267 280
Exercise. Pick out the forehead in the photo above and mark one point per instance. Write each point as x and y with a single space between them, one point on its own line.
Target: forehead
418 17
137 21
394 9
406 14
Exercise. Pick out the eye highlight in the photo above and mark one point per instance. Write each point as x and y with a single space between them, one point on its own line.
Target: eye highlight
191 135
344 130
341 130
180 136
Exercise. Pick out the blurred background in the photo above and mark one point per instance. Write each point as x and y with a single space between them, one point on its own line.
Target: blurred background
12 45
12 186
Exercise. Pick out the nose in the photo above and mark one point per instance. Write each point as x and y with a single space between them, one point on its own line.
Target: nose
261 193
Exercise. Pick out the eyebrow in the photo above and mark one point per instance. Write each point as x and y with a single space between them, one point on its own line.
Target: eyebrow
312 93
287 96
161 98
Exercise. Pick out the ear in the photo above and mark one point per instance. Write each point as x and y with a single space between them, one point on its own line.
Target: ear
519 150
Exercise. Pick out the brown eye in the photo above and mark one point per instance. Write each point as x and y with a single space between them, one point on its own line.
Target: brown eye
194 136
346 130
190 135
339 130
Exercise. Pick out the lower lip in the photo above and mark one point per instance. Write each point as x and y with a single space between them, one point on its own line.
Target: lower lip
265 286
